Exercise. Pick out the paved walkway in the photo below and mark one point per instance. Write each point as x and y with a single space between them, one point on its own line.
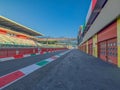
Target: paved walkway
79 71
75 71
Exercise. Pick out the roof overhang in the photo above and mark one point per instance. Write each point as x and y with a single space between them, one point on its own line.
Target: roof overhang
18 27
109 13
98 7
56 39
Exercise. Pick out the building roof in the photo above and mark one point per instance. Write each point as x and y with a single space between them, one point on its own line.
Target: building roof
98 7
108 14
55 39
18 27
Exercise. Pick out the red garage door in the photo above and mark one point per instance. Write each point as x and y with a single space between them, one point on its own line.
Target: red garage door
107 43
102 51
112 51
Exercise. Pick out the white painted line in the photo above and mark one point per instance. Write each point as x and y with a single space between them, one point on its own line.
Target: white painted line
26 55
61 54
5 59
37 53
29 69
57 56
49 60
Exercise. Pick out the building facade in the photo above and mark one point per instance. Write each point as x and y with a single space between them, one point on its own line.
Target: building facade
101 36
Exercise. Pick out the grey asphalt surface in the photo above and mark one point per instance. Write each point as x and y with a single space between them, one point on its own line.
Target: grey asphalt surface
12 65
73 71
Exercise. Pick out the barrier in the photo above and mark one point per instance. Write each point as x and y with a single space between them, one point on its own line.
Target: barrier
8 52
15 53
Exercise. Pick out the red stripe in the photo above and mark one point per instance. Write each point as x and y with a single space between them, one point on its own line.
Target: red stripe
10 78
2 31
18 56
93 4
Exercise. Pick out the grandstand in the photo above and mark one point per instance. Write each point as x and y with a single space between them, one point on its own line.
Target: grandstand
17 40
13 34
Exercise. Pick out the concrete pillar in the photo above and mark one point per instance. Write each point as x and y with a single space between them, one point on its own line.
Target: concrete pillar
95 47
87 47
118 40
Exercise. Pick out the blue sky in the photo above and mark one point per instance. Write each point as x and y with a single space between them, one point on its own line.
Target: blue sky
55 18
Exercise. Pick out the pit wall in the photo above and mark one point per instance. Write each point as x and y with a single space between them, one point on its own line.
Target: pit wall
15 53
9 52
105 44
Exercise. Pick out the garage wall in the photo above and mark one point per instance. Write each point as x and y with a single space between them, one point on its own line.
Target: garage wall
108 32
107 43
